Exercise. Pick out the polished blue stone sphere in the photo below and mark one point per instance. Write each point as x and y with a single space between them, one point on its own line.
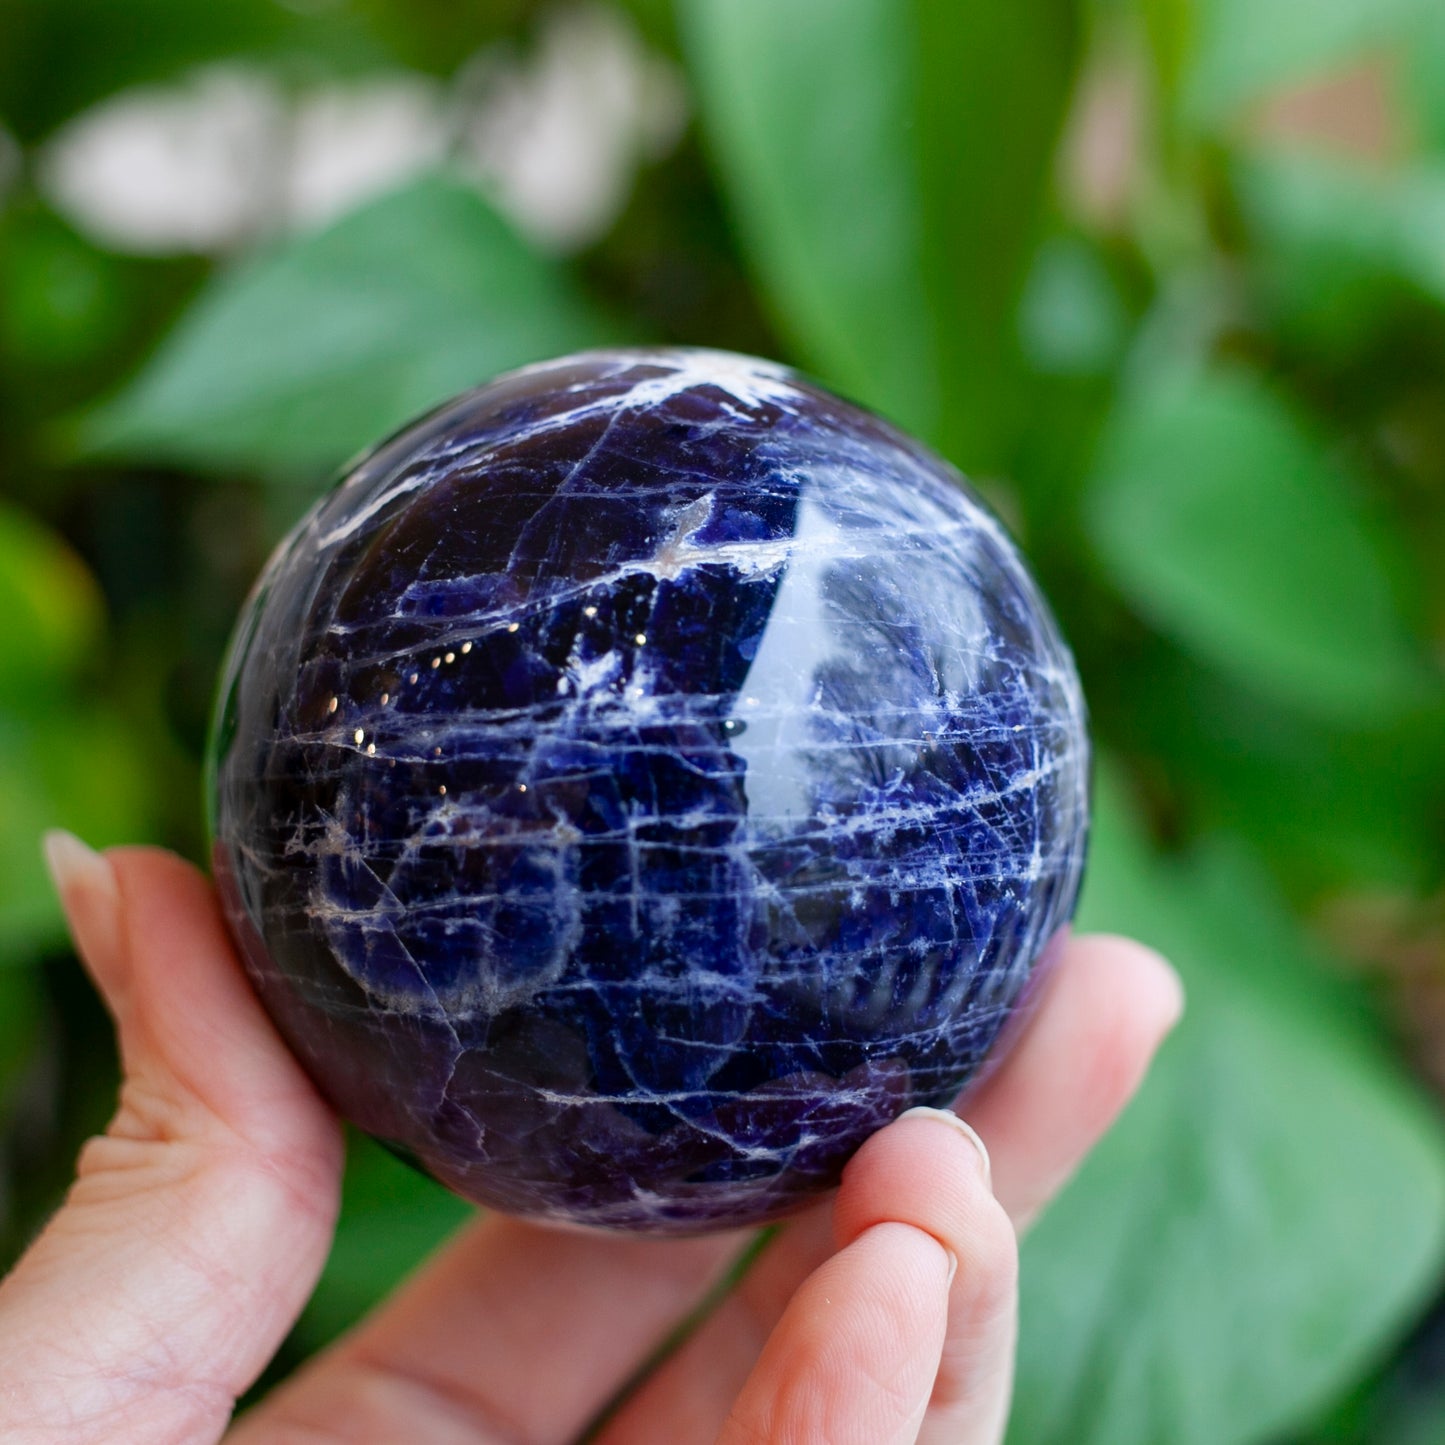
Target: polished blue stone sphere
641 779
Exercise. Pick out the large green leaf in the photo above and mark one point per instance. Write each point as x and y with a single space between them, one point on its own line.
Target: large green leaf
1241 49
1268 1214
302 356
1233 528
884 160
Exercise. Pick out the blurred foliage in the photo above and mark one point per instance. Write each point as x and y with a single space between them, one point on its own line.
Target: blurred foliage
1212 560
1167 277
888 191
409 299
1257 1156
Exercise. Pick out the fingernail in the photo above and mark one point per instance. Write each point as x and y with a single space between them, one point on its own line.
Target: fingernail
1180 1000
952 1265
1167 984
947 1116
87 888
1172 1004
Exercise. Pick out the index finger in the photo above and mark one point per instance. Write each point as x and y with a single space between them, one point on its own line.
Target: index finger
910 1325
1106 1008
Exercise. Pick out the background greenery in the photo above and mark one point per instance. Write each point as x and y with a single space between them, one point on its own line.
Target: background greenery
1166 277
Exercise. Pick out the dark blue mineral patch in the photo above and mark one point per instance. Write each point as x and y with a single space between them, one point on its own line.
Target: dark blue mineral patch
640 780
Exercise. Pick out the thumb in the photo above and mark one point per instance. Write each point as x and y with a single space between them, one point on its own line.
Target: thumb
199 1222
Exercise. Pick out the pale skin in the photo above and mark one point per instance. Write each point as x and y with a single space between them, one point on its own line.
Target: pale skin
199 1222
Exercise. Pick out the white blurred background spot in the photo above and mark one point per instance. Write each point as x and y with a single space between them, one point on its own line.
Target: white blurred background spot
554 136
350 142
560 135
180 168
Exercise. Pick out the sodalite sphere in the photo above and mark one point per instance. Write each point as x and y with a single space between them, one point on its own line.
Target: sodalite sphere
640 780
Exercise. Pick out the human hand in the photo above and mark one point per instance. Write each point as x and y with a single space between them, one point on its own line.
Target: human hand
198 1224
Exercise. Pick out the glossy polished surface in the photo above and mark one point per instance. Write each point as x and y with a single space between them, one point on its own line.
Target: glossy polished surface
642 779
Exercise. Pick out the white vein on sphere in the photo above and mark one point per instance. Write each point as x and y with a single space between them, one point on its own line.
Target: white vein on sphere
750 383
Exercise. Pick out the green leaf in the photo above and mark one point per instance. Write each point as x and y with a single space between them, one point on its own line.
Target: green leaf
1269 1213
885 163
1330 229
1233 528
301 357
391 1219
1323 250
51 606
1243 48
